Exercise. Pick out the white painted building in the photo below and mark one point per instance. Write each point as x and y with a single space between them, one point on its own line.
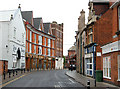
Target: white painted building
12 38
59 63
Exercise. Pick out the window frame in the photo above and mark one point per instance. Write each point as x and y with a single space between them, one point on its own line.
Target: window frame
107 64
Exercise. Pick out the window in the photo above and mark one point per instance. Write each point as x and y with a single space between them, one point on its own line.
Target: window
52 52
30 47
48 42
48 52
119 16
90 38
119 67
45 42
89 66
30 36
35 38
107 67
40 50
22 37
44 51
34 49
27 34
53 44
40 40
14 32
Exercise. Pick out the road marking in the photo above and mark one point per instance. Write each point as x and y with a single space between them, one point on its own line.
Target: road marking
12 80
57 86
71 80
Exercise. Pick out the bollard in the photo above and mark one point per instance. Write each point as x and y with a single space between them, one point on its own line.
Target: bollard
16 72
24 70
13 72
4 75
21 71
9 74
88 84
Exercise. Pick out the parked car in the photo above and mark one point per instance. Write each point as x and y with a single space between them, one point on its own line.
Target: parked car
72 67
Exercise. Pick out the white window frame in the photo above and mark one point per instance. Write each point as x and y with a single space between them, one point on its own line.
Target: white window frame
48 42
108 65
30 46
118 68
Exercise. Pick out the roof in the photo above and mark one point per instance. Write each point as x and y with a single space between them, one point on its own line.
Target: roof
115 4
46 27
27 15
36 22
6 15
99 1
72 48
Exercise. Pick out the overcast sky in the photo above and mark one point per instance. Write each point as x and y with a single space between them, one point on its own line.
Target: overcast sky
62 11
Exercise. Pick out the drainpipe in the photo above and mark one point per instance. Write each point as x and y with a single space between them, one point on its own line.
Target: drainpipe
94 62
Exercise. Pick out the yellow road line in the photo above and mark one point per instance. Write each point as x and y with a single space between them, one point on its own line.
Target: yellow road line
12 81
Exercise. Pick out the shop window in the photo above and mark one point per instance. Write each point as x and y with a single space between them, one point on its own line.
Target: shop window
107 67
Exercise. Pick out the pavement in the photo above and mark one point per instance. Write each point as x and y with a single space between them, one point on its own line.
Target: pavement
83 80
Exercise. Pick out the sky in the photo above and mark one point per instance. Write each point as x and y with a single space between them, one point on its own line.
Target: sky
61 11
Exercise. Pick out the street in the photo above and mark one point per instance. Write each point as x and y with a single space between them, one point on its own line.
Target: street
46 78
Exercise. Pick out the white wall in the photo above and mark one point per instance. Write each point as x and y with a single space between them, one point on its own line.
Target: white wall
59 63
7 30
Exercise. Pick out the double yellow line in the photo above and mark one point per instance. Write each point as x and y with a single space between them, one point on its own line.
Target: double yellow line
12 80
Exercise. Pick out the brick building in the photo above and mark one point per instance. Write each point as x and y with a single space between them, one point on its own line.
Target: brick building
57 31
40 43
102 45
92 45
79 42
110 60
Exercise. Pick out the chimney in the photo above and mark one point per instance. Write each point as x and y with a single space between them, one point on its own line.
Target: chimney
81 21
19 6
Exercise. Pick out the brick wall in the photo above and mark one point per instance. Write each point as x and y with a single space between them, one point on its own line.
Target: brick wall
103 29
100 8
